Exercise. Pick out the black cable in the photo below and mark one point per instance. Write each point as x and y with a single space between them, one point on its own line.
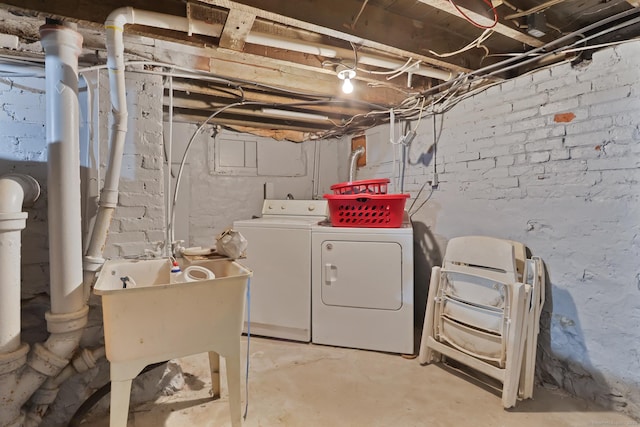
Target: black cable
97 396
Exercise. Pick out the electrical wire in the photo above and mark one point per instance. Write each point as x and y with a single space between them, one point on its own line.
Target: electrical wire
97 395
246 378
474 23
479 73
476 43
405 70
188 147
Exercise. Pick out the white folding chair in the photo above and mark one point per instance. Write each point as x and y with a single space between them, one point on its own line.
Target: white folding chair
535 279
476 311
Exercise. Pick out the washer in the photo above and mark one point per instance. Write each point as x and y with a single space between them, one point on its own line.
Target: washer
279 253
362 287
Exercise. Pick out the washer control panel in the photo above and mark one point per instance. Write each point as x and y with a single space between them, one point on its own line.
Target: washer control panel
295 207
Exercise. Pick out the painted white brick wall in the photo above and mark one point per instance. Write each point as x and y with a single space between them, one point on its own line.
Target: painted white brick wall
509 167
139 218
217 200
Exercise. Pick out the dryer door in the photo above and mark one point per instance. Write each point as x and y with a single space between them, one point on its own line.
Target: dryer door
362 274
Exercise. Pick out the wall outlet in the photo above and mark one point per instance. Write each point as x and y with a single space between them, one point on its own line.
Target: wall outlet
360 141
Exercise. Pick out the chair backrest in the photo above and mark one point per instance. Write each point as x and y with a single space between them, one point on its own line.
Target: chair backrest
488 256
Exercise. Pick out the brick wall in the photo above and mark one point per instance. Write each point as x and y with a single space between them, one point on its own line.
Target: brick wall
551 159
139 218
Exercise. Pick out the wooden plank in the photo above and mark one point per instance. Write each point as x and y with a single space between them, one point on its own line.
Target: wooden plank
258 69
236 29
198 91
385 31
446 6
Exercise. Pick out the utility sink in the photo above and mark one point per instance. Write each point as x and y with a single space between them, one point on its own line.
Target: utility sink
151 320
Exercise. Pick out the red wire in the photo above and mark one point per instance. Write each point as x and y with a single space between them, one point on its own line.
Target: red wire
474 23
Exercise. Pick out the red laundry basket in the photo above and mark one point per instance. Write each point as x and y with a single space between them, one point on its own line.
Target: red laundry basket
366 210
369 186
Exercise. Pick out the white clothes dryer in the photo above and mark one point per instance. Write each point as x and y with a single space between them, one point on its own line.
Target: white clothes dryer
362 287
279 254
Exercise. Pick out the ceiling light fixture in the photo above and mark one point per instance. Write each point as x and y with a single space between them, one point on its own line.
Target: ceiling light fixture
347 74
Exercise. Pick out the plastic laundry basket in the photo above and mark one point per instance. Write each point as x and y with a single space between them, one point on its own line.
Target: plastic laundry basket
368 186
366 210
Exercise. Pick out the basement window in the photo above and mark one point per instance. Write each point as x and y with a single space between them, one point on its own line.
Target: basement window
233 155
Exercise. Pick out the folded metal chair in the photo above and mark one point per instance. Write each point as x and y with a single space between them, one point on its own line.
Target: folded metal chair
478 309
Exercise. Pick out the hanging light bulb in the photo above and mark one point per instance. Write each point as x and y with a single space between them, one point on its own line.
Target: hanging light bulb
347 75
347 86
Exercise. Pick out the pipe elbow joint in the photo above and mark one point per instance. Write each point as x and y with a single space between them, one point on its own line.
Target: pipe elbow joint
119 18
16 191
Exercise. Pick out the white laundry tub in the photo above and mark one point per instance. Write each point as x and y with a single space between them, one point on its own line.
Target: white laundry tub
157 321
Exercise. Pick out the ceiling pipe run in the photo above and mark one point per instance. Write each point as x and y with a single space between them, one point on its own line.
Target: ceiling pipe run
330 52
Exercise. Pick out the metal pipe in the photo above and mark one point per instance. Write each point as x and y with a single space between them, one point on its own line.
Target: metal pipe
353 162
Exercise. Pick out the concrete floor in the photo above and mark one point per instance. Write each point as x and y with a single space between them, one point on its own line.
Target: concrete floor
293 384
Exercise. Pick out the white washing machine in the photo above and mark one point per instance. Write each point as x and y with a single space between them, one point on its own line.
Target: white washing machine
279 253
362 287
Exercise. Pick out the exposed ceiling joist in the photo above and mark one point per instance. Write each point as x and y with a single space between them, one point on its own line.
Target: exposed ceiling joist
446 6
285 55
402 37
236 29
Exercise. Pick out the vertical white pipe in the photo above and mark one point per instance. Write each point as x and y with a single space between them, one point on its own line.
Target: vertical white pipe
12 221
62 46
114 27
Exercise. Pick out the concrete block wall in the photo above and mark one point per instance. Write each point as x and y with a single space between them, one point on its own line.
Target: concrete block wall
551 159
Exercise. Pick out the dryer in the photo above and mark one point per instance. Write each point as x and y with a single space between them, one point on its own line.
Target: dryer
362 287
279 254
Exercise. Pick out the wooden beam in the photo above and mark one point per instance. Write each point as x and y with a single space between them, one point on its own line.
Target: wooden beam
331 107
198 116
385 32
236 29
505 30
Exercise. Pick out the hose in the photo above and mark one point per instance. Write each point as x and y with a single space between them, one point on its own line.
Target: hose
97 396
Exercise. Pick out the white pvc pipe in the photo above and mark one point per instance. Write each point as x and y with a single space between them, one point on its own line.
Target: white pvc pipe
318 49
62 46
15 190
